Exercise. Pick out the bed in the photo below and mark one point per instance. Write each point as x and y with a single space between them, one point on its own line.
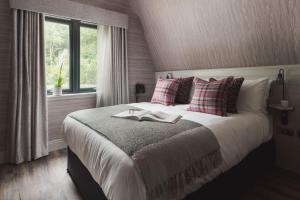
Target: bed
101 170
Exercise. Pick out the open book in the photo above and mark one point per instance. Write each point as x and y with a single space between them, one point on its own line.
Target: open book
145 115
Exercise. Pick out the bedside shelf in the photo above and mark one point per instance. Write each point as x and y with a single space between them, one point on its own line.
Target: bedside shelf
283 110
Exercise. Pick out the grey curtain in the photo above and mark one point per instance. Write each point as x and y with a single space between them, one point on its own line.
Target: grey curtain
28 104
112 81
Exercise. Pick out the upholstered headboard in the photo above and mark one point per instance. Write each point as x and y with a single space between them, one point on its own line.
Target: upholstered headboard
291 72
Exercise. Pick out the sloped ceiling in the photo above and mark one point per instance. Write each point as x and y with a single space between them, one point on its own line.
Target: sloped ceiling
193 34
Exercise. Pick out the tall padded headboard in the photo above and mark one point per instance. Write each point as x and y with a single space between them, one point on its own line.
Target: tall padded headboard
291 72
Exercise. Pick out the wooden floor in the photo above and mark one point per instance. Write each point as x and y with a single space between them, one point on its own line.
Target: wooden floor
42 179
47 178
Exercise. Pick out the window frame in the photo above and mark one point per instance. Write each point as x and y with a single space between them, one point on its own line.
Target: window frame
74 35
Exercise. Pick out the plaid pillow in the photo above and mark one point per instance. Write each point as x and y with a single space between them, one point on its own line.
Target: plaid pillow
210 97
184 89
199 80
165 92
233 94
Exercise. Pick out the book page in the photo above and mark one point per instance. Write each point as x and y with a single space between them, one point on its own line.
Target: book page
148 116
161 117
136 113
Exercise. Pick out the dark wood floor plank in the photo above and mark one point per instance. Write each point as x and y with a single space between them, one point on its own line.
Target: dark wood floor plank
285 176
42 179
284 186
269 194
252 195
47 178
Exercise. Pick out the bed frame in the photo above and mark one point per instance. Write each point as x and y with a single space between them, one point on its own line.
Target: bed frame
229 185
232 183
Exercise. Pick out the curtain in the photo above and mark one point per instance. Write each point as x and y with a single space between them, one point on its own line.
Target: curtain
28 104
112 70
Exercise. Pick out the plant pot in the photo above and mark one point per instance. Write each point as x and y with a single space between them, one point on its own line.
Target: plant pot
57 91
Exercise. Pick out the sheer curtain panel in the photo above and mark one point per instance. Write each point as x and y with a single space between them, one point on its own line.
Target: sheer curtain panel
112 74
28 104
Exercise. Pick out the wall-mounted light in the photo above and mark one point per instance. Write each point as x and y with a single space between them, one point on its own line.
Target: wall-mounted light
169 76
281 80
139 89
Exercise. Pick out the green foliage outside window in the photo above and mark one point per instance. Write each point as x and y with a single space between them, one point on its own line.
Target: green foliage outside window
88 53
57 43
57 55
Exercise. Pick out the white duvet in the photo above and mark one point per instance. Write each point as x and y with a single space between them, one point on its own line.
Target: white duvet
237 134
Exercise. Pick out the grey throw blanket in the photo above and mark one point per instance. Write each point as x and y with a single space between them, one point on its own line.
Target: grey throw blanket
169 157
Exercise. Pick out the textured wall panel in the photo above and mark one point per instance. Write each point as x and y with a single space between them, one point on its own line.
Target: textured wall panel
195 34
140 66
114 5
59 107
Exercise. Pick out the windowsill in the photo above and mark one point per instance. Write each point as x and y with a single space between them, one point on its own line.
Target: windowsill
72 96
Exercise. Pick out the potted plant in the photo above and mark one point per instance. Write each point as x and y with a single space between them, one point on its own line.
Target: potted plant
57 91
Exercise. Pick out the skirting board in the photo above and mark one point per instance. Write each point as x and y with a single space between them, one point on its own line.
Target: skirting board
57 145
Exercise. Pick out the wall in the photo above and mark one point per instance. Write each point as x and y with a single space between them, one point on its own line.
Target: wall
114 5
5 33
195 34
139 63
59 107
141 69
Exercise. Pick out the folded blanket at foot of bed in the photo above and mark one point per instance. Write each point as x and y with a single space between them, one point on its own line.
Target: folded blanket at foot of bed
169 157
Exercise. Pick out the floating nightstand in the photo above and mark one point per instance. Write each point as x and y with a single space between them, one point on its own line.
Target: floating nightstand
139 91
283 108
283 112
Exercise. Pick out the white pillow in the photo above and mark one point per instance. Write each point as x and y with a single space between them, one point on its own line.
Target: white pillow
253 95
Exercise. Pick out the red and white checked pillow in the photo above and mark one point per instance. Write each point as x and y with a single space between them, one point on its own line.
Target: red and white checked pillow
210 97
233 94
165 92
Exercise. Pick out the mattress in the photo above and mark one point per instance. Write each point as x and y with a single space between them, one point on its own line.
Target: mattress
114 171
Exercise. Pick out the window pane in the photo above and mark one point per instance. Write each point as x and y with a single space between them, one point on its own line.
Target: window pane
88 52
57 50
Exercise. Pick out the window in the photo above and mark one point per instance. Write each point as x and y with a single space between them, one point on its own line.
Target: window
71 49
88 53
57 43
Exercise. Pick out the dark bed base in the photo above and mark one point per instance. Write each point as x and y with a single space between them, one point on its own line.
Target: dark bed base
229 185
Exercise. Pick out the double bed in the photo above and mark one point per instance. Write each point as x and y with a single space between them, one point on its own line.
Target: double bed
101 169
